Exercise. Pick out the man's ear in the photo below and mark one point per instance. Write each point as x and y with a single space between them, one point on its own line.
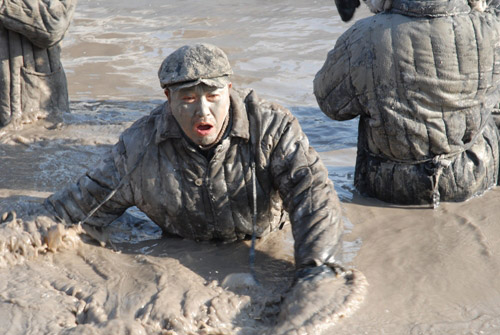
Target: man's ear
229 86
167 93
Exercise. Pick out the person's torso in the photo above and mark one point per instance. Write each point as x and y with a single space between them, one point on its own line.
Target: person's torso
193 197
33 80
426 85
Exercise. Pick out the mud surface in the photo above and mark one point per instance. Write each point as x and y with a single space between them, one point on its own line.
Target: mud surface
430 271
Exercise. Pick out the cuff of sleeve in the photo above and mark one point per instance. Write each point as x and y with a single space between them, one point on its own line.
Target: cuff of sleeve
310 272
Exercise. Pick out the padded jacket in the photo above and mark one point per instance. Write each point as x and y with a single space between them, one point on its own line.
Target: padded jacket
32 80
188 195
423 77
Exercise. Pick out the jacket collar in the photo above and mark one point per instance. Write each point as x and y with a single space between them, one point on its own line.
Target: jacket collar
167 127
431 8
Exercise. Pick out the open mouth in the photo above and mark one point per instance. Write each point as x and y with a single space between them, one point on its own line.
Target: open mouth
204 128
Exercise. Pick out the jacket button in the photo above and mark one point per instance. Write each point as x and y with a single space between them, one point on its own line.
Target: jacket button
198 182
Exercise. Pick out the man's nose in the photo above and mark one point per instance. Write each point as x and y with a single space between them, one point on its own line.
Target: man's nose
203 108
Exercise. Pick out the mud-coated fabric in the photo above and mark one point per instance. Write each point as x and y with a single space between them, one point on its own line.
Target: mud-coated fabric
423 78
187 195
32 80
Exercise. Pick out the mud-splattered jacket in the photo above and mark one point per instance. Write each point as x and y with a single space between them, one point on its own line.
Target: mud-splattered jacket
32 80
423 77
188 195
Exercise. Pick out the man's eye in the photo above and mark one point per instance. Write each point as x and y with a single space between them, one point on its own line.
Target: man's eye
188 99
212 96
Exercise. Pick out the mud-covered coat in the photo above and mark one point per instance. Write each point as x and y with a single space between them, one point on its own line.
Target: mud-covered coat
423 77
32 80
190 196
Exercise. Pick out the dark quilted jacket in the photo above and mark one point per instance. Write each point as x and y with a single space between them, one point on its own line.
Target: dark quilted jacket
423 77
187 195
32 80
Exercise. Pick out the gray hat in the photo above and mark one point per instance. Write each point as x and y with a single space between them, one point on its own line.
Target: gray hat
194 64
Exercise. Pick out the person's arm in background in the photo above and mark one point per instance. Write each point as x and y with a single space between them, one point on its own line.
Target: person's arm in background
495 113
43 22
333 87
494 7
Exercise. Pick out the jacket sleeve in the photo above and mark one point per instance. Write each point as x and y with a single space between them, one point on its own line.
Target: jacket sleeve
43 22
75 202
308 196
333 87
494 5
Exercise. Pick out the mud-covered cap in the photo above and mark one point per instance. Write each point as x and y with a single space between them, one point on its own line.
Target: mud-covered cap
191 65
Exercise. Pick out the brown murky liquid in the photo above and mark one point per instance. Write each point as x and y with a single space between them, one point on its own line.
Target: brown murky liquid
430 271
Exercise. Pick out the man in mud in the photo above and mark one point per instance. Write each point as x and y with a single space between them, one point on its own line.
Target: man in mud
215 164
424 82
32 80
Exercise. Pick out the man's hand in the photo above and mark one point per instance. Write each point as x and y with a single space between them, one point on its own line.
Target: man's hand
320 297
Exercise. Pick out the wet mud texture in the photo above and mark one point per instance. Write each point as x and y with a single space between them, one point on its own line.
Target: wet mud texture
430 271
94 290
126 278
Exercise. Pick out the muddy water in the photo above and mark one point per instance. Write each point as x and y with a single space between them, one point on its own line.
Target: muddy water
430 271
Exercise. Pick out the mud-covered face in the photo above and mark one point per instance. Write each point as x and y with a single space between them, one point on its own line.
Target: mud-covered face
200 111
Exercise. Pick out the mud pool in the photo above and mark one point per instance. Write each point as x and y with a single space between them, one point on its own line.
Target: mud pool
430 271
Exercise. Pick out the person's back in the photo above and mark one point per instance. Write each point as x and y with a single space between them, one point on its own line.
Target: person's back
424 78
32 80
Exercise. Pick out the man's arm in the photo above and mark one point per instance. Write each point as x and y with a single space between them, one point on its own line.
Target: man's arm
43 22
28 229
308 196
493 5
333 87
74 203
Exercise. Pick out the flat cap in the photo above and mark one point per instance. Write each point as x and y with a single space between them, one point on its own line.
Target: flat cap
194 64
